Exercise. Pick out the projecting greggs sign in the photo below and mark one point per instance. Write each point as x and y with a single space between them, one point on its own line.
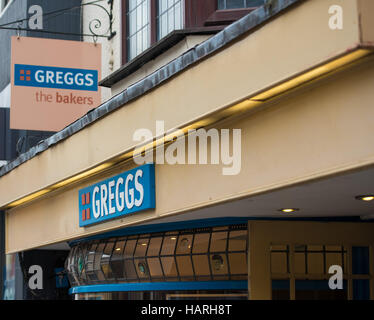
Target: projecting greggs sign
126 193
54 82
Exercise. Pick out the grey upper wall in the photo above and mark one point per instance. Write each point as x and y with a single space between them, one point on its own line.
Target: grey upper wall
69 22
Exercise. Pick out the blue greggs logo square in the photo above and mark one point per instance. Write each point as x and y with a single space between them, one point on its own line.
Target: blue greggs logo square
55 77
129 192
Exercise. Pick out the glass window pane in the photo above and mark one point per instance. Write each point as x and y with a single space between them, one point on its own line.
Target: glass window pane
154 246
254 3
82 258
300 262
142 268
318 290
130 269
201 243
334 248
168 264
145 38
162 257
280 289
139 20
178 16
279 262
300 248
185 266
141 247
164 25
238 263
184 244
155 267
163 5
116 261
361 289
132 49
132 4
169 16
168 246
360 260
89 265
105 266
145 13
238 240
90 254
138 28
221 4
132 24
129 248
218 242
218 264
170 20
333 259
315 263
97 261
201 265
139 43
315 248
234 4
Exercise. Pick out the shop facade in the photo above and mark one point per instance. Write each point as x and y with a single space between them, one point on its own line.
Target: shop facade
272 230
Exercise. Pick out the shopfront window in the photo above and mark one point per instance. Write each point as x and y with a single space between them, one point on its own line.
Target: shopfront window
301 272
206 254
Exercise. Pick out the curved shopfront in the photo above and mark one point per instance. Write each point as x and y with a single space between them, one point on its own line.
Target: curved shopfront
202 262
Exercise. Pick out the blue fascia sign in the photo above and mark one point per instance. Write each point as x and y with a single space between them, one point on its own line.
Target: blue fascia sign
129 192
55 77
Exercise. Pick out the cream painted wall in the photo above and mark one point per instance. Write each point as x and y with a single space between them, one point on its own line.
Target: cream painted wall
257 61
315 132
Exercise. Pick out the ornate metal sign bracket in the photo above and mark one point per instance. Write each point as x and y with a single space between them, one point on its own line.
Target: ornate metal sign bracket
97 27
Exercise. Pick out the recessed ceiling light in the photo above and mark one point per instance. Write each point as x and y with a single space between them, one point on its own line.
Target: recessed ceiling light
366 198
289 210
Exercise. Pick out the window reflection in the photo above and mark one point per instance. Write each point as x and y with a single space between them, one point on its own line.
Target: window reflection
168 264
141 248
185 266
218 242
184 244
218 253
117 260
169 244
105 259
201 243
